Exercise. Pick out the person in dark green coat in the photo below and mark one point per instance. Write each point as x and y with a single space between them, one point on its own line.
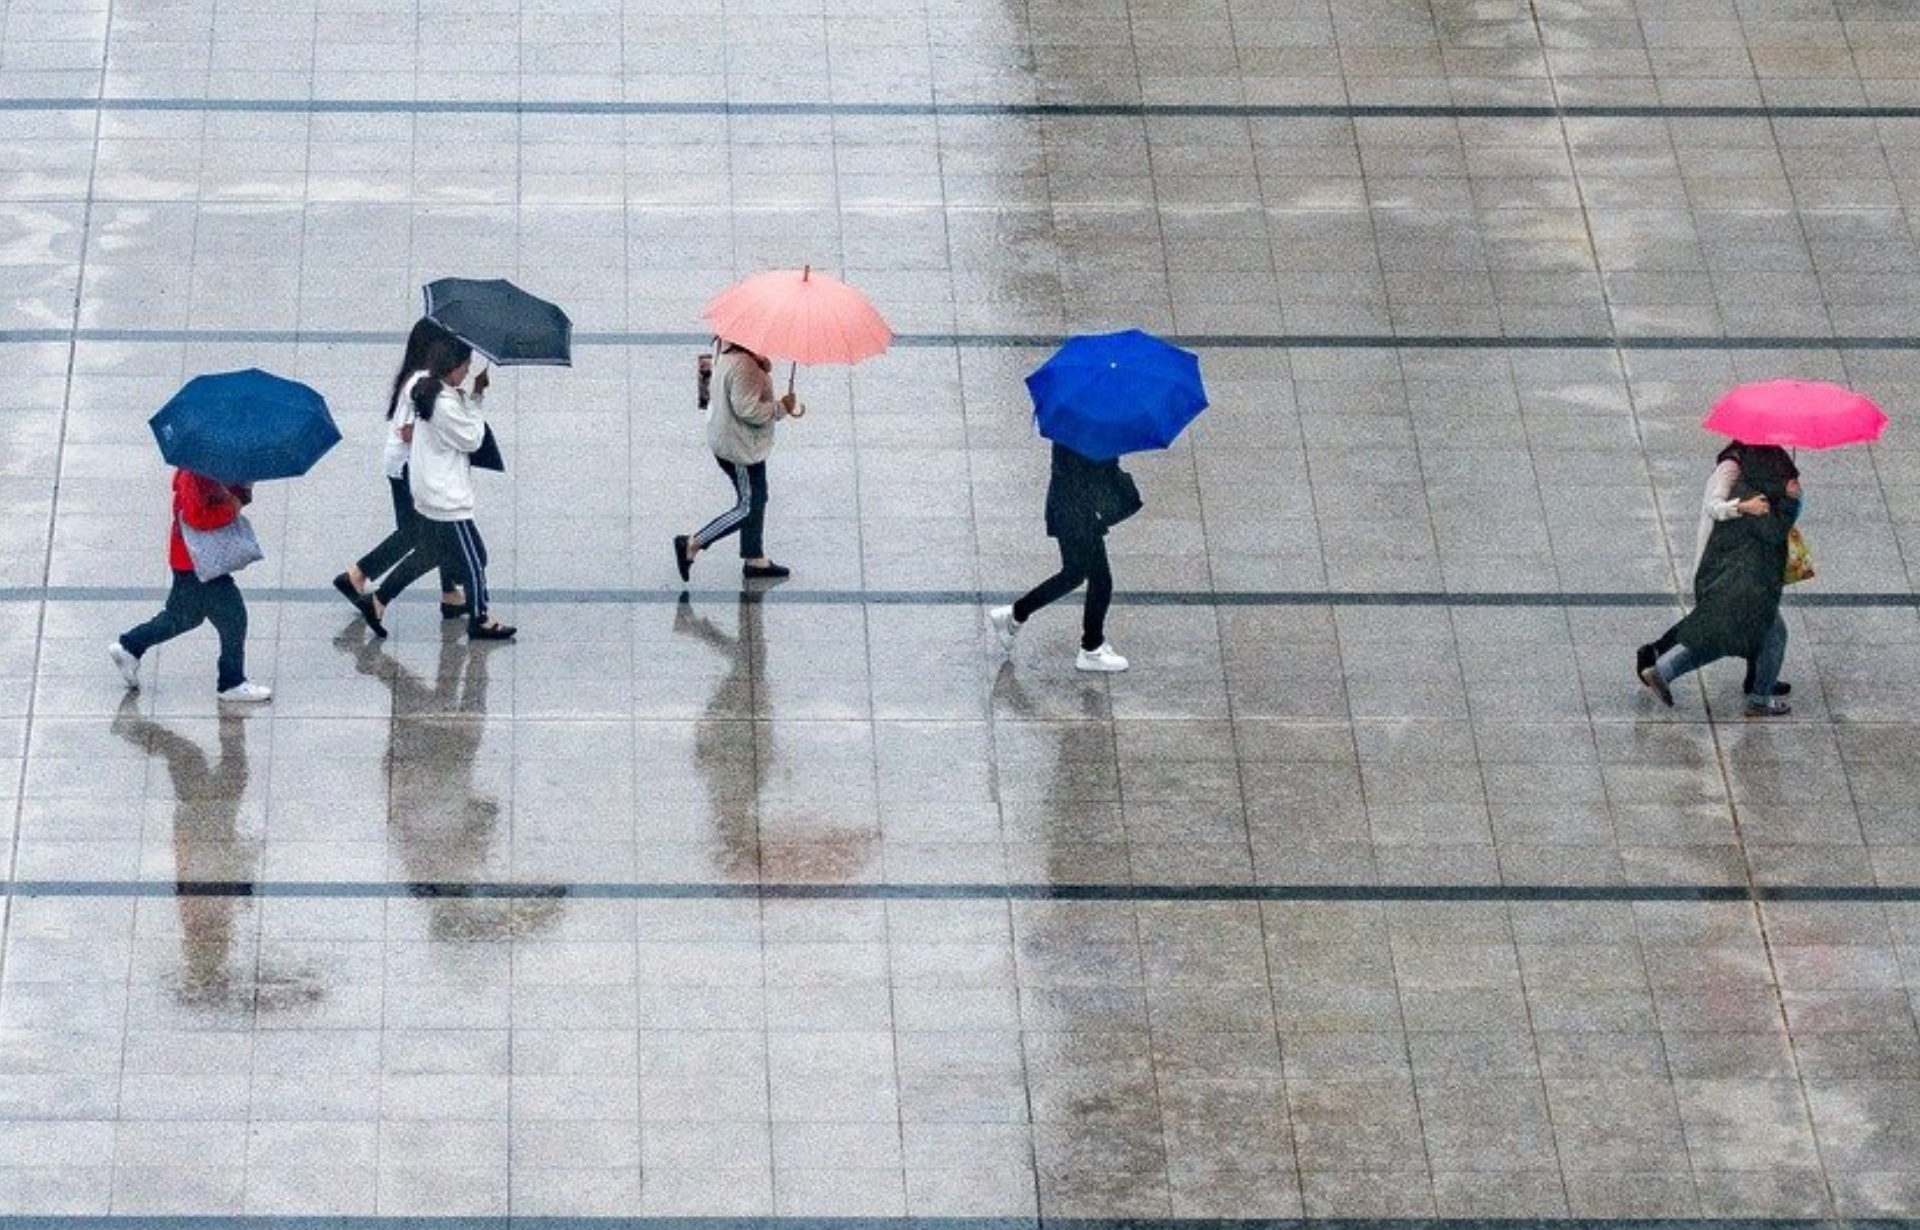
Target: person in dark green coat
1737 588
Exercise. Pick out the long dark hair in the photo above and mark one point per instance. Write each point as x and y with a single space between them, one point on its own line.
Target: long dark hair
1769 460
425 333
445 355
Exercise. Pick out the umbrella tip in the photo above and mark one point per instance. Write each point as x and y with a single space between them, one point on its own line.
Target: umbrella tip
806 271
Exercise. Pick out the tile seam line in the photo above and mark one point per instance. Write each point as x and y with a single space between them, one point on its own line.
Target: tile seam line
989 110
509 1221
1512 894
488 1221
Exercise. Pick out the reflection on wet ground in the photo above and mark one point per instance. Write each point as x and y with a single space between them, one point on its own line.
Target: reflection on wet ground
1377 888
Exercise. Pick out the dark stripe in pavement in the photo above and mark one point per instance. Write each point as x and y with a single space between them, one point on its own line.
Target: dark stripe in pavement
960 110
1512 894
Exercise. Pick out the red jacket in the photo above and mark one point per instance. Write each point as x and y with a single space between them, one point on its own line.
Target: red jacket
205 504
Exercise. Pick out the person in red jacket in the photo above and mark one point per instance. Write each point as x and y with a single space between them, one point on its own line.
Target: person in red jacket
204 504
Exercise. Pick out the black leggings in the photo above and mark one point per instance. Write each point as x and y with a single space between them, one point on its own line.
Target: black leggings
457 546
190 603
748 514
1081 559
405 555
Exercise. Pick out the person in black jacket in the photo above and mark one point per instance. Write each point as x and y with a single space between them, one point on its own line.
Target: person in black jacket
1084 498
1737 589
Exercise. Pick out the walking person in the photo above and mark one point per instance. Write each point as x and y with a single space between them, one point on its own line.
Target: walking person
1737 587
1084 499
402 557
440 476
200 503
1718 504
740 432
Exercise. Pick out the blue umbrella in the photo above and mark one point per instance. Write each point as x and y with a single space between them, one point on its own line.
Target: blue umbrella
244 427
1104 394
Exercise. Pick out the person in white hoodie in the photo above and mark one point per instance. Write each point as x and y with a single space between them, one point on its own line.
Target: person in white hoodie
396 557
440 475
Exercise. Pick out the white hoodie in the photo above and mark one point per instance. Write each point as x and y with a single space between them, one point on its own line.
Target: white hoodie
399 430
440 470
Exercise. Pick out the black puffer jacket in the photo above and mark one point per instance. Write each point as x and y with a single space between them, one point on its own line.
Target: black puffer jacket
1084 497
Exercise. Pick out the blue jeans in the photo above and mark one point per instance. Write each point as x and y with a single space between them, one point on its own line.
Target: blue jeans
190 603
1766 664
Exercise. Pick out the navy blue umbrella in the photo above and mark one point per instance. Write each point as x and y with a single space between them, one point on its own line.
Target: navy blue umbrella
1104 394
244 427
501 321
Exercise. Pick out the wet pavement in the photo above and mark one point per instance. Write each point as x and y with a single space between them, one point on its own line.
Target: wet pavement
1377 888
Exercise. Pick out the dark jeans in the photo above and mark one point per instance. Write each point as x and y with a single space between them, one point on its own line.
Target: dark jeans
407 552
1671 637
1763 669
1081 560
748 514
458 546
190 603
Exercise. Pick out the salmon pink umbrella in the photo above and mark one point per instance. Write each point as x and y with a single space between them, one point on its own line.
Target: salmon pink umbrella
1796 414
800 316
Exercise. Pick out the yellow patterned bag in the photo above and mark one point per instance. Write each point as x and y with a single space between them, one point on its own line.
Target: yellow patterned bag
1799 559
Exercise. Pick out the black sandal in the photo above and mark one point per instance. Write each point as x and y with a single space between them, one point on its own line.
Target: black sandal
491 631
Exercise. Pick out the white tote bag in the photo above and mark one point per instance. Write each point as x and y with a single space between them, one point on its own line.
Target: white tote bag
221 552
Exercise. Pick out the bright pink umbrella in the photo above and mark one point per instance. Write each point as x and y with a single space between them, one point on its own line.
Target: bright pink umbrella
799 315
1796 414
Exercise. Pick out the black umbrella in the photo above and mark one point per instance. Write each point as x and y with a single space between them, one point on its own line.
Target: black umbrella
501 321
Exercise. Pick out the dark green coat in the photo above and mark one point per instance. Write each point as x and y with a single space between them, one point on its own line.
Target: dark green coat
1737 587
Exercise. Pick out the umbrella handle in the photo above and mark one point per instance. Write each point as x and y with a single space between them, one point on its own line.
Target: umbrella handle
793 369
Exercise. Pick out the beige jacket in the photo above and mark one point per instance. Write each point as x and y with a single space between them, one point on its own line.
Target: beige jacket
740 420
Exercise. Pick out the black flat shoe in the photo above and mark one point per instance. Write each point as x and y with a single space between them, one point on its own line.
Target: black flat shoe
491 632
362 603
680 559
453 610
365 603
765 571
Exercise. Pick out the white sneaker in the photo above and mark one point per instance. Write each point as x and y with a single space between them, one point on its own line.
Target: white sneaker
1103 659
128 664
248 691
1005 626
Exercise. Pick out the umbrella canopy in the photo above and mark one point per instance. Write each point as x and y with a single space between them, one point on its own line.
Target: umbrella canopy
1796 414
244 427
1105 394
501 321
799 315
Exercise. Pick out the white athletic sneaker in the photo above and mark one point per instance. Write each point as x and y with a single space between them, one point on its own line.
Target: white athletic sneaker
128 664
1103 659
248 691
1005 626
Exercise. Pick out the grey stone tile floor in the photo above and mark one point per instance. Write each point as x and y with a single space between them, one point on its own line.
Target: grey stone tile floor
1377 888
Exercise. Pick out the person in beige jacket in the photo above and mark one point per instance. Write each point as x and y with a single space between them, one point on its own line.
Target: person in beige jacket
740 433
